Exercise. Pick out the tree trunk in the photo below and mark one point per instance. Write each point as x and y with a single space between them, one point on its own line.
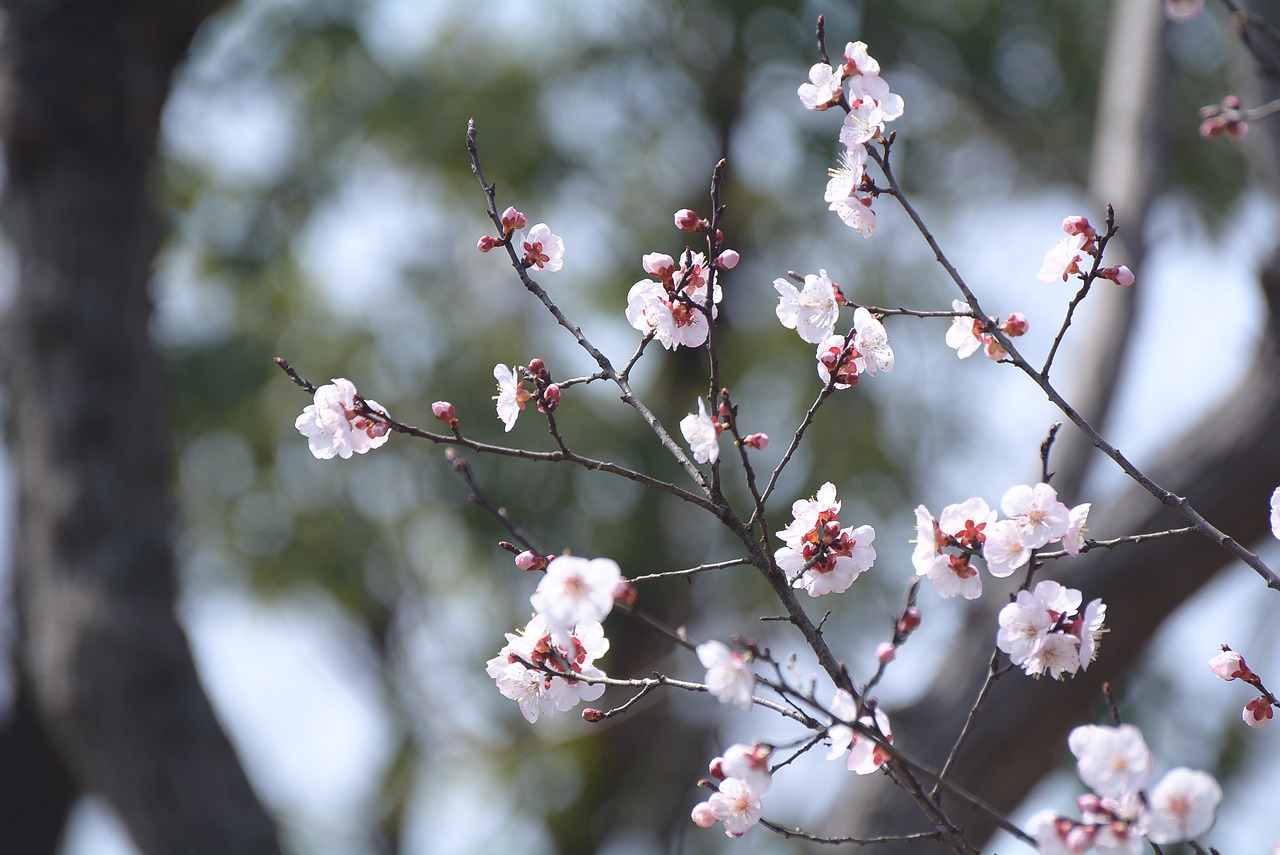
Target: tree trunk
109 668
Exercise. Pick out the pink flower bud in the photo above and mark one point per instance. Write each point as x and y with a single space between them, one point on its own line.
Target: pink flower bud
1121 275
716 768
703 815
993 349
625 593
1078 225
1229 665
537 367
909 621
1090 803
529 561
658 264
758 441
1080 838
1015 325
592 714
513 220
444 411
1257 712
487 242
551 395
1183 10
728 259
885 652
688 221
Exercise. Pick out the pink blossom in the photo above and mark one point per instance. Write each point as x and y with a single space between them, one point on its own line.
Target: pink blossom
729 676
444 411
1062 260
749 763
1229 665
836 356
1120 274
863 755
1258 712
728 259
1004 549
688 220
1182 806
820 555
512 220
658 264
336 425
758 441
1114 762
537 692
1077 525
1039 516
885 652
1275 512
964 335
872 341
736 805
1015 325
511 395
843 184
576 590
488 242
542 249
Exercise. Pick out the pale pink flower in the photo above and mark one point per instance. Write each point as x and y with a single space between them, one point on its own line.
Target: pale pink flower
964 335
872 342
1257 712
749 763
511 395
703 816
1051 832
929 543
1090 627
811 311
832 356
862 755
1183 10
1275 512
729 676
842 192
1039 516
736 805
1114 762
1062 260
955 575
335 425
1182 806
1058 653
538 692
820 555
1229 665
858 61
542 249
1004 550
1024 624
823 89
702 433
576 590
1077 525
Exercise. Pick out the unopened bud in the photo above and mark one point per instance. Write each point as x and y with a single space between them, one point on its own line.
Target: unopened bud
994 350
1015 325
513 220
658 264
1090 803
592 714
1121 275
1078 225
487 242
444 411
625 593
530 561
1229 665
716 768
909 621
728 259
703 815
1257 712
885 652
758 441
537 367
688 221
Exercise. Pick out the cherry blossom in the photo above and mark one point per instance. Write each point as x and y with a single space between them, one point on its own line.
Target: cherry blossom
703 434
511 395
1182 806
1063 259
336 425
516 668
729 676
872 342
1039 516
1043 631
1275 512
576 590
862 755
811 311
749 763
821 556
1114 762
671 309
736 805
841 193
823 89
1077 525
1088 626
962 525
542 249
1004 550
835 354
964 335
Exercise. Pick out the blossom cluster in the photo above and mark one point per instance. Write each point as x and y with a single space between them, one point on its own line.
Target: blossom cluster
820 555
870 104
1043 630
673 306
861 754
1119 815
1229 665
744 776
1064 258
813 312
968 334
946 546
340 423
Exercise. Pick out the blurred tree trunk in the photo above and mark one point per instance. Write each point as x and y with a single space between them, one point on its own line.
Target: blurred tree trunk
106 665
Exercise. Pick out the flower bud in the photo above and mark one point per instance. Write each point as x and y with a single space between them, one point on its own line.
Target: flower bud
758 441
716 768
658 264
993 349
909 621
487 242
1078 225
703 816
444 411
688 221
537 367
728 259
1257 712
1015 325
592 714
530 561
1229 665
551 396
625 593
885 652
1121 275
512 220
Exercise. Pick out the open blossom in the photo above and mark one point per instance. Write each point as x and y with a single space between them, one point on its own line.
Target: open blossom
823 89
1077 525
1114 762
744 777
1182 806
1043 630
335 425
703 435
537 692
1040 517
811 311
729 675
1063 259
1004 550
542 249
841 194
1275 512
872 342
511 395
964 336
862 755
821 556
962 526
576 590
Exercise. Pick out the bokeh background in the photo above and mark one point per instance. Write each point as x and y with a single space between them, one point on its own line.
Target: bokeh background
318 204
